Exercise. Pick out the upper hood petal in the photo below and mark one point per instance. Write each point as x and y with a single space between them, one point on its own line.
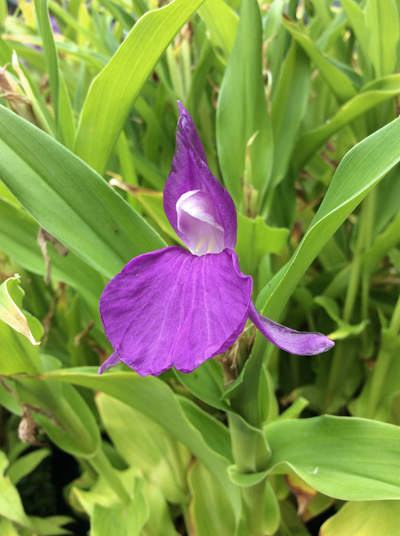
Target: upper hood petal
190 172
171 308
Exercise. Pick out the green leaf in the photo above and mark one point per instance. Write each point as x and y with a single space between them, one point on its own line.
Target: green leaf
356 18
371 95
206 382
364 519
244 135
382 20
346 458
69 199
222 23
147 446
383 382
119 520
339 83
113 92
366 164
345 329
26 464
50 52
64 415
288 107
50 526
10 502
18 239
10 308
256 239
210 510
156 400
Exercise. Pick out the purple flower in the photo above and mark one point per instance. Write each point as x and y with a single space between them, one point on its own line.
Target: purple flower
178 308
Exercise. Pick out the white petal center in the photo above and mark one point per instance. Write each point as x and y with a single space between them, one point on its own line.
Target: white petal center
199 221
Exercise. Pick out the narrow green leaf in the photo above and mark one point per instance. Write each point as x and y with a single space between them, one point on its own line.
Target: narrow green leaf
69 199
371 95
50 52
222 23
365 164
339 83
382 20
26 464
102 117
346 458
244 135
383 382
288 108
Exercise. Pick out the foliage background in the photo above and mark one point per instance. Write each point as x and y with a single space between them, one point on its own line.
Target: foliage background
295 104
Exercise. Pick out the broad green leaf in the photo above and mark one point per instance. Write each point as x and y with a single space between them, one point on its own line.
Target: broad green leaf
7 398
160 522
210 511
7 528
342 457
119 520
155 399
216 434
62 411
382 20
102 118
107 514
3 11
50 526
10 308
244 135
365 165
371 95
222 23
206 382
339 83
364 519
26 464
10 503
18 239
147 446
288 107
69 199
255 239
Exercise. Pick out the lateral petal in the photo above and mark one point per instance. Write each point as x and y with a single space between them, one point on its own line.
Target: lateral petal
190 172
294 342
171 308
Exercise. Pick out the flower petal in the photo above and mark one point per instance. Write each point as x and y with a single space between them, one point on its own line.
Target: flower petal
294 342
171 308
110 362
190 172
